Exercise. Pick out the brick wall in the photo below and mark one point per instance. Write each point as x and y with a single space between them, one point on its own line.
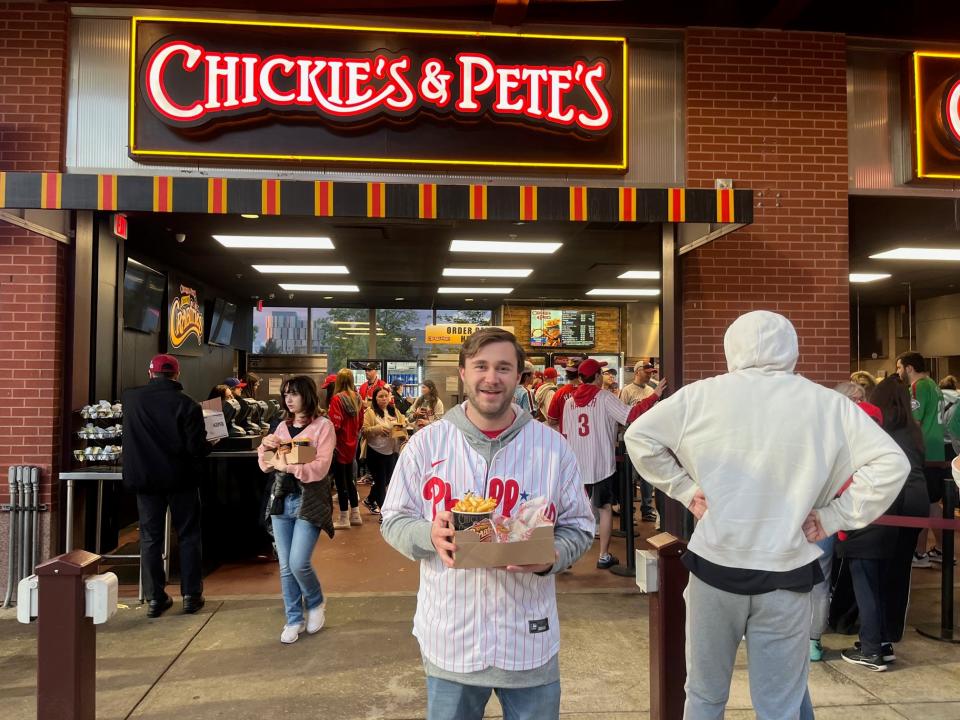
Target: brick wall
32 287
33 58
769 110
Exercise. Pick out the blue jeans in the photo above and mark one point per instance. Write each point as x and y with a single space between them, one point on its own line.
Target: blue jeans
452 701
295 542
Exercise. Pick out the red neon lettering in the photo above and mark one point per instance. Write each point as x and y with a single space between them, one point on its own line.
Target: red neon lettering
345 88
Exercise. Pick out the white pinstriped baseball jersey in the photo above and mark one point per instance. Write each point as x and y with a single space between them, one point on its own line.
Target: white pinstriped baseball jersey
591 431
470 620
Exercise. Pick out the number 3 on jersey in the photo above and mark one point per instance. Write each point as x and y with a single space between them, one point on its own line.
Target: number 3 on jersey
583 424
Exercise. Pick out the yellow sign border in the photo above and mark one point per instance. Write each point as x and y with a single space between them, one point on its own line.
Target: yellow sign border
134 152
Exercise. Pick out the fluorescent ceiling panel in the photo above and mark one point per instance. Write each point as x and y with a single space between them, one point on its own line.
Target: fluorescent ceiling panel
640 275
487 272
502 246
474 290
625 292
905 253
307 287
867 277
270 242
303 269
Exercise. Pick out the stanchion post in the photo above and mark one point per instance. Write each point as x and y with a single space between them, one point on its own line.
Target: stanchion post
946 584
66 639
629 569
668 668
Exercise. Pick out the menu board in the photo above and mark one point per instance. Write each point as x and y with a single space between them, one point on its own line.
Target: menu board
563 328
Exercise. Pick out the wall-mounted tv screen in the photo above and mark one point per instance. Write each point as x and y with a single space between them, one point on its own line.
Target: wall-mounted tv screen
563 328
143 290
221 324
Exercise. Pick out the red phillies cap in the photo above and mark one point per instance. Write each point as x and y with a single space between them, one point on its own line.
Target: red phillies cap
589 367
550 373
164 363
329 380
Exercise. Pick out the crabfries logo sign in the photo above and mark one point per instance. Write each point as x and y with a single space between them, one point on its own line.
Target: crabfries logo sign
206 88
185 320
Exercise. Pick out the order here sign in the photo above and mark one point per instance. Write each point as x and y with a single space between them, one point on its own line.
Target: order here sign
454 334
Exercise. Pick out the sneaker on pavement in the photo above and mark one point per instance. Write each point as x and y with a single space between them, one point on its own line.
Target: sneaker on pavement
886 651
921 560
936 555
607 561
649 517
816 651
291 633
316 617
872 662
371 506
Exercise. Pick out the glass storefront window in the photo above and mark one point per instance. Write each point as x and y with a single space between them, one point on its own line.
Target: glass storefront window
280 331
401 334
341 333
465 317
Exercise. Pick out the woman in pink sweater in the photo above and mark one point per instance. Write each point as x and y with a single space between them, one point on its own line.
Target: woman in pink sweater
300 504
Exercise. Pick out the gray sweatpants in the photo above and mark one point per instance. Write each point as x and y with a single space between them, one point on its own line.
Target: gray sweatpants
776 625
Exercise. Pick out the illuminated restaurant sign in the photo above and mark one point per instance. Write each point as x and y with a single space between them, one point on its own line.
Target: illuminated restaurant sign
936 88
184 319
301 93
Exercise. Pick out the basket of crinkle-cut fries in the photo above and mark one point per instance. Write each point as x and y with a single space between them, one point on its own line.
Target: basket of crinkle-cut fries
471 509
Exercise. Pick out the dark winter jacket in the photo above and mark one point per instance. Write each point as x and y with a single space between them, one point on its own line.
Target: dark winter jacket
164 438
316 501
876 542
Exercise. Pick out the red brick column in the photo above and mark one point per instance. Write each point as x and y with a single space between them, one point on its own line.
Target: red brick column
33 268
33 61
769 110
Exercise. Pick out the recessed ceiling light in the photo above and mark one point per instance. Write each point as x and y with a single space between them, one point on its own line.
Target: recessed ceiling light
468 299
625 292
640 275
350 322
328 297
319 288
867 277
474 290
500 246
904 253
398 299
249 216
487 272
274 242
303 269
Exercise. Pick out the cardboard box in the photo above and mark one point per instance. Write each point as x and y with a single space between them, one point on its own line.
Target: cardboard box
213 419
300 454
472 553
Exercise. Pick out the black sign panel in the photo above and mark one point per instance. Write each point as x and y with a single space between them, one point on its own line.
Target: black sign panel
184 317
936 86
322 94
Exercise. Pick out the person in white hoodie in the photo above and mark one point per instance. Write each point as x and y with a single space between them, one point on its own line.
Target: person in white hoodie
758 455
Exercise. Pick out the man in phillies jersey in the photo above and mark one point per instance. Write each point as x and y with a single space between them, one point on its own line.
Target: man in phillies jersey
589 422
496 629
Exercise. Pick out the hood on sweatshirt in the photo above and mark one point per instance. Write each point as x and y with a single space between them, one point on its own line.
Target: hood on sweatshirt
583 394
762 340
348 403
487 447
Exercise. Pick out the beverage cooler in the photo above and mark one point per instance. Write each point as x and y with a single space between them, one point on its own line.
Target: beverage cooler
406 372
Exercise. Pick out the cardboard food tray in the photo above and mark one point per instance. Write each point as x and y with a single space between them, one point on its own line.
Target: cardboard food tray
472 553
298 455
213 419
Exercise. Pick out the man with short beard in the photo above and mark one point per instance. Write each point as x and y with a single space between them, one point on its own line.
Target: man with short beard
493 629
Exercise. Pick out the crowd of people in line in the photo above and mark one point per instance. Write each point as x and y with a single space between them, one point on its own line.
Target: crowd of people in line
785 478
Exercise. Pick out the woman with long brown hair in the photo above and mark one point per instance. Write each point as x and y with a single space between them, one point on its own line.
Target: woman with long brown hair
881 556
344 413
428 407
299 504
380 423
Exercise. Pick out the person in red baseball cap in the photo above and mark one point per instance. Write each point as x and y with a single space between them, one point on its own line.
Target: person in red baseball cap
545 392
164 438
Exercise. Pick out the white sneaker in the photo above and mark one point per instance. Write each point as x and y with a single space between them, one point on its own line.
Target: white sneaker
291 633
316 617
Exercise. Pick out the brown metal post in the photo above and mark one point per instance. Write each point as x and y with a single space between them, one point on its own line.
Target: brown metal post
66 639
668 668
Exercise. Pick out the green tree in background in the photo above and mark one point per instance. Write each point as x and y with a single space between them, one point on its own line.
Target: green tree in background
464 317
400 327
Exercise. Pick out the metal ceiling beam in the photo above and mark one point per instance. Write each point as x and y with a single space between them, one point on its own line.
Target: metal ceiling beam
694 235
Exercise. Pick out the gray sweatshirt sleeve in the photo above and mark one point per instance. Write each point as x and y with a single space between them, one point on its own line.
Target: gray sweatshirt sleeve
571 543
409 536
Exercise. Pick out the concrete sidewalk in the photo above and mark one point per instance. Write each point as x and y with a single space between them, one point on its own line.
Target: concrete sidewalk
227 661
